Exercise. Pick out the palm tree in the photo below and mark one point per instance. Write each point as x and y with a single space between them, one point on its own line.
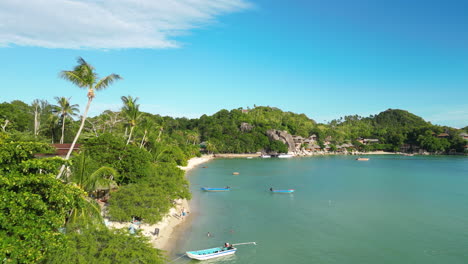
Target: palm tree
84 76
147 126
36 105
64 109
131 110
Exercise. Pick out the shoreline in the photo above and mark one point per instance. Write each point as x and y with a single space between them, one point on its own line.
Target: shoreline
168 227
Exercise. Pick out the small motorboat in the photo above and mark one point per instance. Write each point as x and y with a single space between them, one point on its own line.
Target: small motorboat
282 191
285 156
362 159
265 156
206 189
210 253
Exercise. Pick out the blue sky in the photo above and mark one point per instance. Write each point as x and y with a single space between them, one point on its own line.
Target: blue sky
324 58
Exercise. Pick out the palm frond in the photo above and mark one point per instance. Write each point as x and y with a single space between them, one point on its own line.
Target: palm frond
74 78
103 178
106 81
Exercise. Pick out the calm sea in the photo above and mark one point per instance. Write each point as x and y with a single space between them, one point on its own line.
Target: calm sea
390 209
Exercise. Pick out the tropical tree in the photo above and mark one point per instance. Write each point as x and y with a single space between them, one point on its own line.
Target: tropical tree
131 110
84 76
87 174
65 110
147 126
36 105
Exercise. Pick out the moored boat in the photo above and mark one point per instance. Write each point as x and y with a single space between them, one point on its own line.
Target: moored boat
285 156
282 191
211 253
227 249
207 189
362 159
265 156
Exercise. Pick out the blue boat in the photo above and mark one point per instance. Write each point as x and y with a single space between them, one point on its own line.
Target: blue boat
282 191
225 189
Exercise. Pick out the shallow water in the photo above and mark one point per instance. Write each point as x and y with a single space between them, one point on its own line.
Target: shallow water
390 209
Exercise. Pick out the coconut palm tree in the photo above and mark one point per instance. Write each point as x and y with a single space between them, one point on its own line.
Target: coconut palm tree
147 126
131 110
36 105
84 76
65 110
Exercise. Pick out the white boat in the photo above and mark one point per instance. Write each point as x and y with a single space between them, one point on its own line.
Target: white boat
265 156
211 253
215 252
285 156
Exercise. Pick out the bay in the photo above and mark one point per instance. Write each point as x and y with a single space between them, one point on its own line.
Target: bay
390 209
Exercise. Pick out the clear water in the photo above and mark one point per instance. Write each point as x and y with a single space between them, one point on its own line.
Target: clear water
390 209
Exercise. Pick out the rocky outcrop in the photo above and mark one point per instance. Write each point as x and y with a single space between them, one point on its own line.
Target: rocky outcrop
284 137
245 127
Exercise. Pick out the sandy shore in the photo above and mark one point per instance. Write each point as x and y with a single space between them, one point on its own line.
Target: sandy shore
172 220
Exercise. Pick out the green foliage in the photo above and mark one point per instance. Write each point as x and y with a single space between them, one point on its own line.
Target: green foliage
278 146
131 162
431 143
104 246
87 174
12 154
33 208
224 134
152 197
18 114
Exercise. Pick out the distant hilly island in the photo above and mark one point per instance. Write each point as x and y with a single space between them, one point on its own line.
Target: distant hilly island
246 130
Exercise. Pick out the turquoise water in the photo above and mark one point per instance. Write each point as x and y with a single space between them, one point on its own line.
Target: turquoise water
390 209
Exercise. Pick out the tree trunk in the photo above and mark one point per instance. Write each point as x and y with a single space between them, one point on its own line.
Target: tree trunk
36 122
159 136
63 130
130 136
76 137
143 139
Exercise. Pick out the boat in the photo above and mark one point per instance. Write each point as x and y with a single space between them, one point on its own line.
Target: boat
285 156
206 189
362 159
265 156
249 157
210 253
282 191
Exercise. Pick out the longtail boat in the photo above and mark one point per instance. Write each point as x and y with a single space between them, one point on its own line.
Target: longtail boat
283 191
210 253
215 252
206 189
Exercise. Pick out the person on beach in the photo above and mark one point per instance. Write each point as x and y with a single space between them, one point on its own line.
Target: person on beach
182 212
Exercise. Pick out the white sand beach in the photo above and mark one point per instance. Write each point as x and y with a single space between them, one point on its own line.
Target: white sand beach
174 218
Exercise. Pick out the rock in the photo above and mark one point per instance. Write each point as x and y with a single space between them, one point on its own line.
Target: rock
245 127
284 137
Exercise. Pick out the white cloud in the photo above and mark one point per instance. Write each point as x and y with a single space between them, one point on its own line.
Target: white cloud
106 24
